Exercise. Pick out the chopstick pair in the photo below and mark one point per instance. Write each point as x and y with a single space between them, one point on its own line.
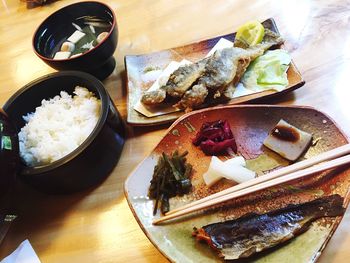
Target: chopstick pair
319 163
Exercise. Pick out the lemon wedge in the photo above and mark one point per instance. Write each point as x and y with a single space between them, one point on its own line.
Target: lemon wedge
251 33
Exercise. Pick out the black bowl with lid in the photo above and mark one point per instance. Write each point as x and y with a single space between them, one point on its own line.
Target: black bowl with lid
94 159
55 29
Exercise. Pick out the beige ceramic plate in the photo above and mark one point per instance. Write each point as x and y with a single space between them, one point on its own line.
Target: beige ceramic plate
140 68
250 125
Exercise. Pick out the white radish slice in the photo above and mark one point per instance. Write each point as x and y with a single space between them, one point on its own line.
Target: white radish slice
76 36
92 29
239 160
212 176
77 27
232 169
239 174
62 55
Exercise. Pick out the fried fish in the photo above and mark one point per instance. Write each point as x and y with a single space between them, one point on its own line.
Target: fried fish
178 83
183 78
225 66
192 84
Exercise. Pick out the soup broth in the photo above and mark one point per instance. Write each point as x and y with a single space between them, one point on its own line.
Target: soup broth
89 32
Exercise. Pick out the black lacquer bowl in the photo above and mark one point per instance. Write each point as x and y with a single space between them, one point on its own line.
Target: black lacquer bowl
95 158
9 156
98 61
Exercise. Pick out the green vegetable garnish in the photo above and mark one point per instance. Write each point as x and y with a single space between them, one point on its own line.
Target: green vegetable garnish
171 177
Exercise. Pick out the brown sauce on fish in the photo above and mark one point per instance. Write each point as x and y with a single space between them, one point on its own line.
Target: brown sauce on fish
286 133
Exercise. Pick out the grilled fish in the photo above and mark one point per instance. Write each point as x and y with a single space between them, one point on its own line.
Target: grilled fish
253 233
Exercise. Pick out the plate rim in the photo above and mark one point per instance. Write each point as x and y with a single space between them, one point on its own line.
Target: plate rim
268 95
185 116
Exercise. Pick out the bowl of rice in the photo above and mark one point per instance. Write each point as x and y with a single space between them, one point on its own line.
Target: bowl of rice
70 133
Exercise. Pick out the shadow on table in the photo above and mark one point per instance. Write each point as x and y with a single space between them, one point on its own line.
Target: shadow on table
36 211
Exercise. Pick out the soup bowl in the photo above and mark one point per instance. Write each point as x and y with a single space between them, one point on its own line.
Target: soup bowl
58 27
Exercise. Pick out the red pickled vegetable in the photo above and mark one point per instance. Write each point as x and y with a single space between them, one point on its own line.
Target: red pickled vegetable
215 138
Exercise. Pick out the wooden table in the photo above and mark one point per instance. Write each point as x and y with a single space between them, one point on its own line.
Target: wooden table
97 225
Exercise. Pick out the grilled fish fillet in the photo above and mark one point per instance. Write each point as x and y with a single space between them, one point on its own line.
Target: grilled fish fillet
253 233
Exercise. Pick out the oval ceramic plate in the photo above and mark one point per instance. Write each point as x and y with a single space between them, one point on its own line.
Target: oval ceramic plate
250 125
141 70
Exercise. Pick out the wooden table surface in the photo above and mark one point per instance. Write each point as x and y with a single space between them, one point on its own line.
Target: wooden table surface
97 225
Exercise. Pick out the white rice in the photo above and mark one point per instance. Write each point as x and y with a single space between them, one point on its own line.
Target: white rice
58 126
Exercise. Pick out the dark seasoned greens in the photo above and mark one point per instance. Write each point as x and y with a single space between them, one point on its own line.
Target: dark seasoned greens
171 177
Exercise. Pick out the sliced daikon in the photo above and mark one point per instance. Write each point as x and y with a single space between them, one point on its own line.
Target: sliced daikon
237 173
232 169
212 176
62 55
76 36
239 160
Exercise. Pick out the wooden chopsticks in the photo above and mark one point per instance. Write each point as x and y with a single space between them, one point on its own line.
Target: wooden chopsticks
283 175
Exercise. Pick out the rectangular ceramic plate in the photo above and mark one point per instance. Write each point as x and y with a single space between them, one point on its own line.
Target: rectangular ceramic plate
250 126
138 75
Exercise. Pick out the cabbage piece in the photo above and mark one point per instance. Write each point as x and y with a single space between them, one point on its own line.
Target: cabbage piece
268 71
